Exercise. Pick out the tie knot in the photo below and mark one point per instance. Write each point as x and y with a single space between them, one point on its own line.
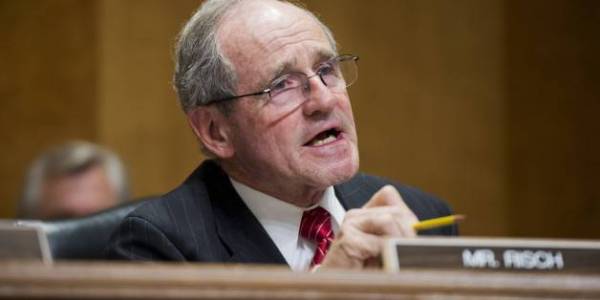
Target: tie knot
316 225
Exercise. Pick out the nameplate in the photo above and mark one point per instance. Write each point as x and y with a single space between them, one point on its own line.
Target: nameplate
500 254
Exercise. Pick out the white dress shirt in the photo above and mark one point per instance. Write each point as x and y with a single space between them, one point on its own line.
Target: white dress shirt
281 221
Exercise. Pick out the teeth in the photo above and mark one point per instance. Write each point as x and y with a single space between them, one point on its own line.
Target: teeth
328 139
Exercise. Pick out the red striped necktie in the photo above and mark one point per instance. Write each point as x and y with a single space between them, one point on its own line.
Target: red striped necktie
316 227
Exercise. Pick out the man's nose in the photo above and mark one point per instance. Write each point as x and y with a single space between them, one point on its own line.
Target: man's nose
319 97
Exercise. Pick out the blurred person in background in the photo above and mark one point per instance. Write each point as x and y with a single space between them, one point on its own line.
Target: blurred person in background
73 180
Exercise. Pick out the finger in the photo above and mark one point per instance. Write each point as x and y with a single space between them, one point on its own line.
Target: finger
360 241
406 227
380 221
405 220
352 249
392 221
386 196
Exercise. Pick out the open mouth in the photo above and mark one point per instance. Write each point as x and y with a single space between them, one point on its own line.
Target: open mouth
324 137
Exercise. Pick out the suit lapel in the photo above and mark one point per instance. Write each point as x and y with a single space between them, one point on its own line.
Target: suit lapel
243 234
353 193
237 227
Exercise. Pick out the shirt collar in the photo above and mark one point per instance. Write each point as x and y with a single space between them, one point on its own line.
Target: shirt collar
281 220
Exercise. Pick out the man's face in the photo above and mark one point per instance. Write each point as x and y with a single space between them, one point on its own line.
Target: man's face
290 153
76 195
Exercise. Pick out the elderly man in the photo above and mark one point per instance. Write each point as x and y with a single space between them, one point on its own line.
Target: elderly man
264 90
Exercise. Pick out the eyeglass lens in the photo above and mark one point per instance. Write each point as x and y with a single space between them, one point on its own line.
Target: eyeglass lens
292 89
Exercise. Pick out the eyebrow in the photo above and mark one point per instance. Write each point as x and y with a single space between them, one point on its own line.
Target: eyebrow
289 66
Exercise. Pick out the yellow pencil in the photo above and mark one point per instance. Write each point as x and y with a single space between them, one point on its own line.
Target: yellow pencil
438 222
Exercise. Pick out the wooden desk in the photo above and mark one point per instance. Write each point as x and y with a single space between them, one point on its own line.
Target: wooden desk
110 280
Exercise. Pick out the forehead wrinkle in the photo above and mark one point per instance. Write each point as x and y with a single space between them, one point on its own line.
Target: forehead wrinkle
283 28
316 57
290 32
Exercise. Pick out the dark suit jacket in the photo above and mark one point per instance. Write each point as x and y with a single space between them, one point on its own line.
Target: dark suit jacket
205 220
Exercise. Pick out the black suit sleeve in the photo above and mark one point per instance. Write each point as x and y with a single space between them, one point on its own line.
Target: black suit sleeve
139 239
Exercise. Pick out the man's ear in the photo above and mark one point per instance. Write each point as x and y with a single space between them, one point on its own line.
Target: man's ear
212 129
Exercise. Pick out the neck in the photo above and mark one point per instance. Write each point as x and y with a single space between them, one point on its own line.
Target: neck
295 194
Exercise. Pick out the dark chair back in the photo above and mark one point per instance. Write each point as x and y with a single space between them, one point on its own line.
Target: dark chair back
86 237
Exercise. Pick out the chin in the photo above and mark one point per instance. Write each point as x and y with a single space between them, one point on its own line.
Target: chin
337 173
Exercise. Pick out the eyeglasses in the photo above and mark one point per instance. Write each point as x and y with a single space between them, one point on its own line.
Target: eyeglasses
292 89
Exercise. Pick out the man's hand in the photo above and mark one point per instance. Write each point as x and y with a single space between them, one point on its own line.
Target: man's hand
360 241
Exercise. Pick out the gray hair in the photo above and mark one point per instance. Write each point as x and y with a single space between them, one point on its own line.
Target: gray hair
202 72
70 158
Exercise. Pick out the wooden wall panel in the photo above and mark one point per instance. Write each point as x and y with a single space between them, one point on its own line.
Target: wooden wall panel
553 93
138 113
47 83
